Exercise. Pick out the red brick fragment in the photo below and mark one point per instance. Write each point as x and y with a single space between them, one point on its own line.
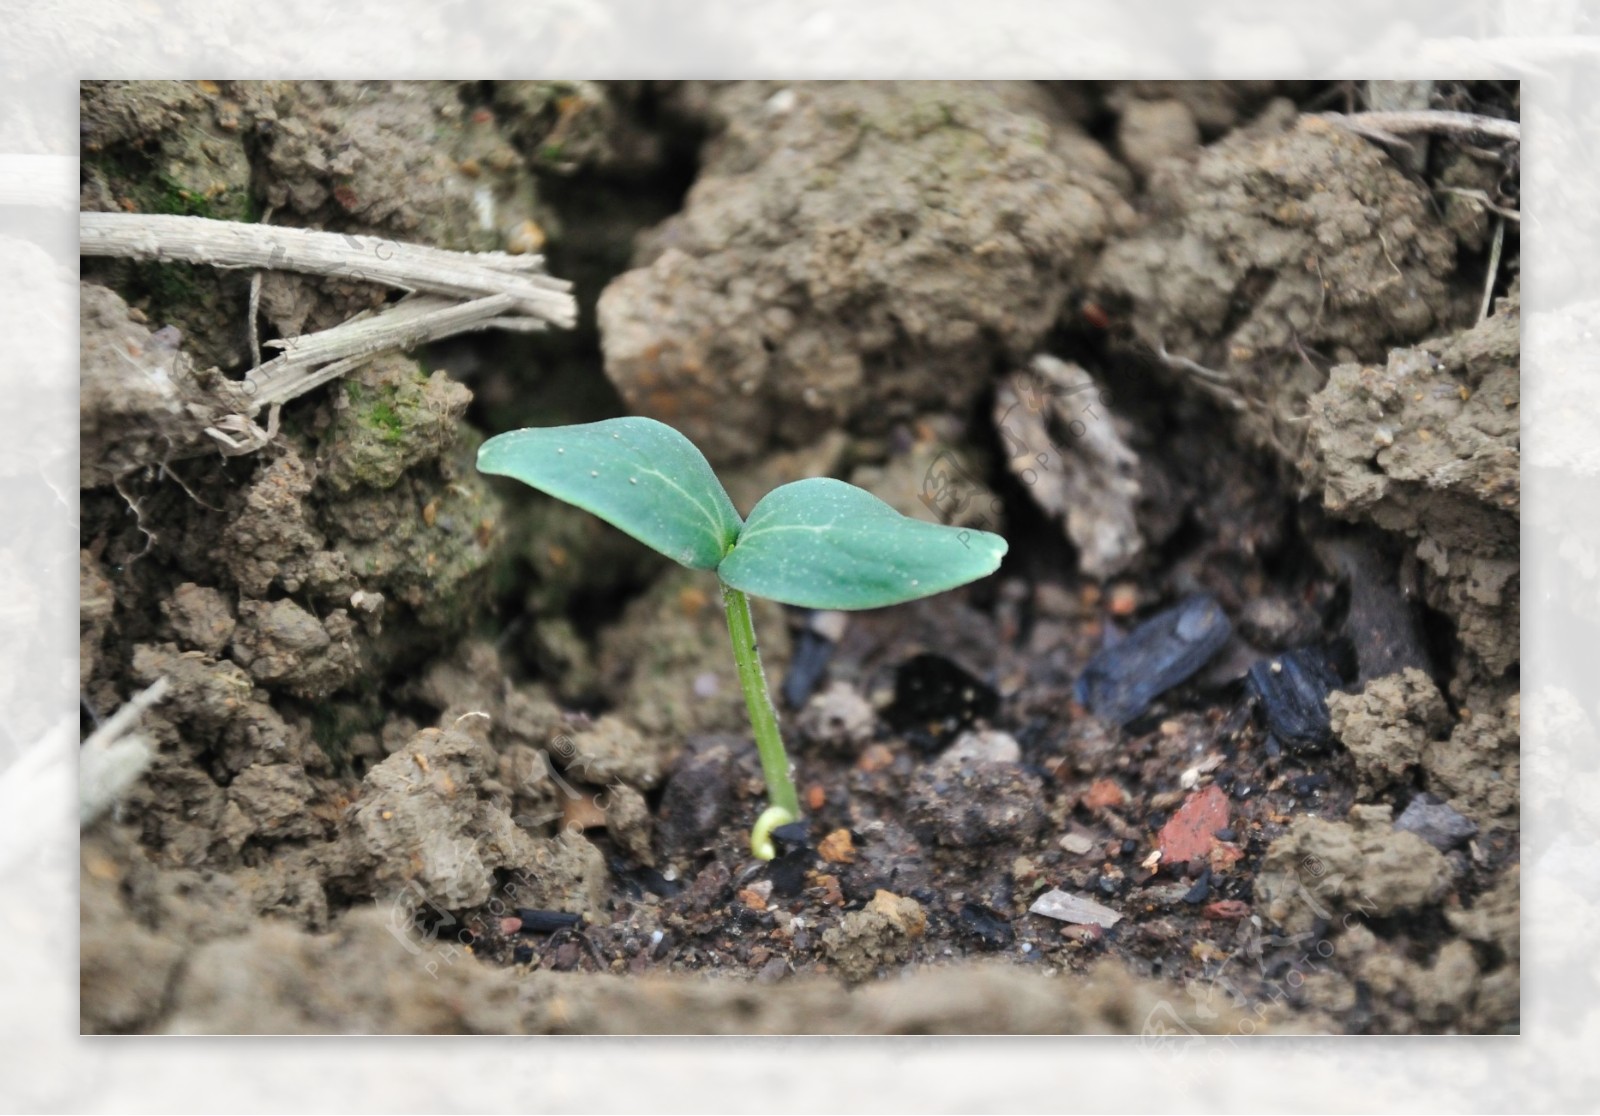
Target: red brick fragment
1191 831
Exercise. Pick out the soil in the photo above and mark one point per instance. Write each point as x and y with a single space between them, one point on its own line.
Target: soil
441 755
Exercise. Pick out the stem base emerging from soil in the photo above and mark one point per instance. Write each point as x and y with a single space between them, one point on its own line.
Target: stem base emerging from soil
783 803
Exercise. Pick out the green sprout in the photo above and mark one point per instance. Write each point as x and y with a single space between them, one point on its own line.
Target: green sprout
817 543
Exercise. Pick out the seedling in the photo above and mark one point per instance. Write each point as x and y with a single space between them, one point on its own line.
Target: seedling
816 543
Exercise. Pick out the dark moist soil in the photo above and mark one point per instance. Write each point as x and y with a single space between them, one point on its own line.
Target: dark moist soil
883 815
443 755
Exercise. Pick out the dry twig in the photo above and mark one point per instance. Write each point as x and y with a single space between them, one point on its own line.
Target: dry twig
1390 126
1494 268
369 259
114 755
1482 199
452 293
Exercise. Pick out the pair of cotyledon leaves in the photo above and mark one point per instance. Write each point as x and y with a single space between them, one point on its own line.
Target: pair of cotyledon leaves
816 543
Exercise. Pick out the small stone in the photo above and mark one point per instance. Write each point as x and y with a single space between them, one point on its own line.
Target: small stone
876 758
1292 690
1223 856
1436 823
1272 622
1151 131
838 717
832 893
1104 794
988 746
1076 843
1124 600
697 795
1078 909
837 847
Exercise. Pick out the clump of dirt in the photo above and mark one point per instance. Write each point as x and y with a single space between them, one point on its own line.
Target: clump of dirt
135 386
1388 725
1429 446
853 253
975 795
1363 865
1286 246
874 937
1479 769
432 828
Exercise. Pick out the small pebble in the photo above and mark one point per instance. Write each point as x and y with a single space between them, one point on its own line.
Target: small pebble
1078 909
1435 822
1076 843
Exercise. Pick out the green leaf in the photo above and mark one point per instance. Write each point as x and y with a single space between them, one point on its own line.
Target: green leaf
637 474
822 543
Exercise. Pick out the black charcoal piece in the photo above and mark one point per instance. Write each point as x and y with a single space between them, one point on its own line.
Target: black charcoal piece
788 872
806 664
935 696
795 835
1292 690
987 925
1121 681
546 922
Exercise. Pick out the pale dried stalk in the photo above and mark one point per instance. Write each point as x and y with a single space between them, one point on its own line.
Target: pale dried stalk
1404 96
114 756
1482 199
502 292
1389 126
1494 269
369 259
313 359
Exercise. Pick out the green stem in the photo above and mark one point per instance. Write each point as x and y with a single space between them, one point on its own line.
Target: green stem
784 802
